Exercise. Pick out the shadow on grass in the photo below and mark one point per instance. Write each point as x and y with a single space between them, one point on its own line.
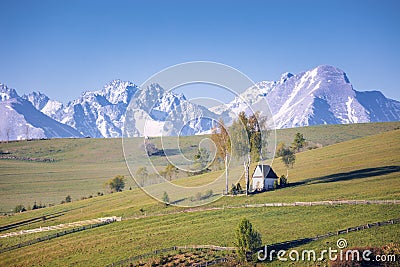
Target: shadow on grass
185 199
346 176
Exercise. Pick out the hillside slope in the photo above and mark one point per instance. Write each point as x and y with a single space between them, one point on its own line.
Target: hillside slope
340 171
89 163
372 160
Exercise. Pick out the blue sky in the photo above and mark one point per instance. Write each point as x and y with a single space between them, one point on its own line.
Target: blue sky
65 47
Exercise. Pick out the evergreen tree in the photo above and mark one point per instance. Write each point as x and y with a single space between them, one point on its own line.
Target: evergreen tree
239 187
299 141
247 239
283 181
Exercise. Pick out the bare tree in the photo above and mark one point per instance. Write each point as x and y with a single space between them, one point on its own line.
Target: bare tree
141 176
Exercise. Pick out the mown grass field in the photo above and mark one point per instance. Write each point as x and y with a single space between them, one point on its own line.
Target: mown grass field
362 168
117 241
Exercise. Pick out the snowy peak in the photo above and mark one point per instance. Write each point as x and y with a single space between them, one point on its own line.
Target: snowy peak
323 95
158 112
326 71
118 91
155 97
37 99
99 113
7 93
43 103
21 120
285 76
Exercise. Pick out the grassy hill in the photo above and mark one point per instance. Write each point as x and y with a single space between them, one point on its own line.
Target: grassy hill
332 134
363 168
89 163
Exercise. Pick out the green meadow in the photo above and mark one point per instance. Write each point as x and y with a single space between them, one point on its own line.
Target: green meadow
356 162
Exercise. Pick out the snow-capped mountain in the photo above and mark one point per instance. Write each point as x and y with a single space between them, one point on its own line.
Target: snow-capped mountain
323 95
94 114
99 113
43 103
21 120
156 112
102 113
7 93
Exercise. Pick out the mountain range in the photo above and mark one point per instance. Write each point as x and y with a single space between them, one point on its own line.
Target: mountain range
323 95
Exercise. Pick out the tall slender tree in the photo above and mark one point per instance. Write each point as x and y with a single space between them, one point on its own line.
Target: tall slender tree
221 139
170 171
249 135
141 175
240 136
288 158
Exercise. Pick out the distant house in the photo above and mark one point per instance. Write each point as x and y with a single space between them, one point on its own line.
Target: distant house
263 178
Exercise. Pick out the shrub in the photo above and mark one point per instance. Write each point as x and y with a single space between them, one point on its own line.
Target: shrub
283 181
116 184
19 208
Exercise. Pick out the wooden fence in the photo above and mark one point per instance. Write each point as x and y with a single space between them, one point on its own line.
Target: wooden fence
28 159
205 247
276 246
61 226
322 203
293 243
52 236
